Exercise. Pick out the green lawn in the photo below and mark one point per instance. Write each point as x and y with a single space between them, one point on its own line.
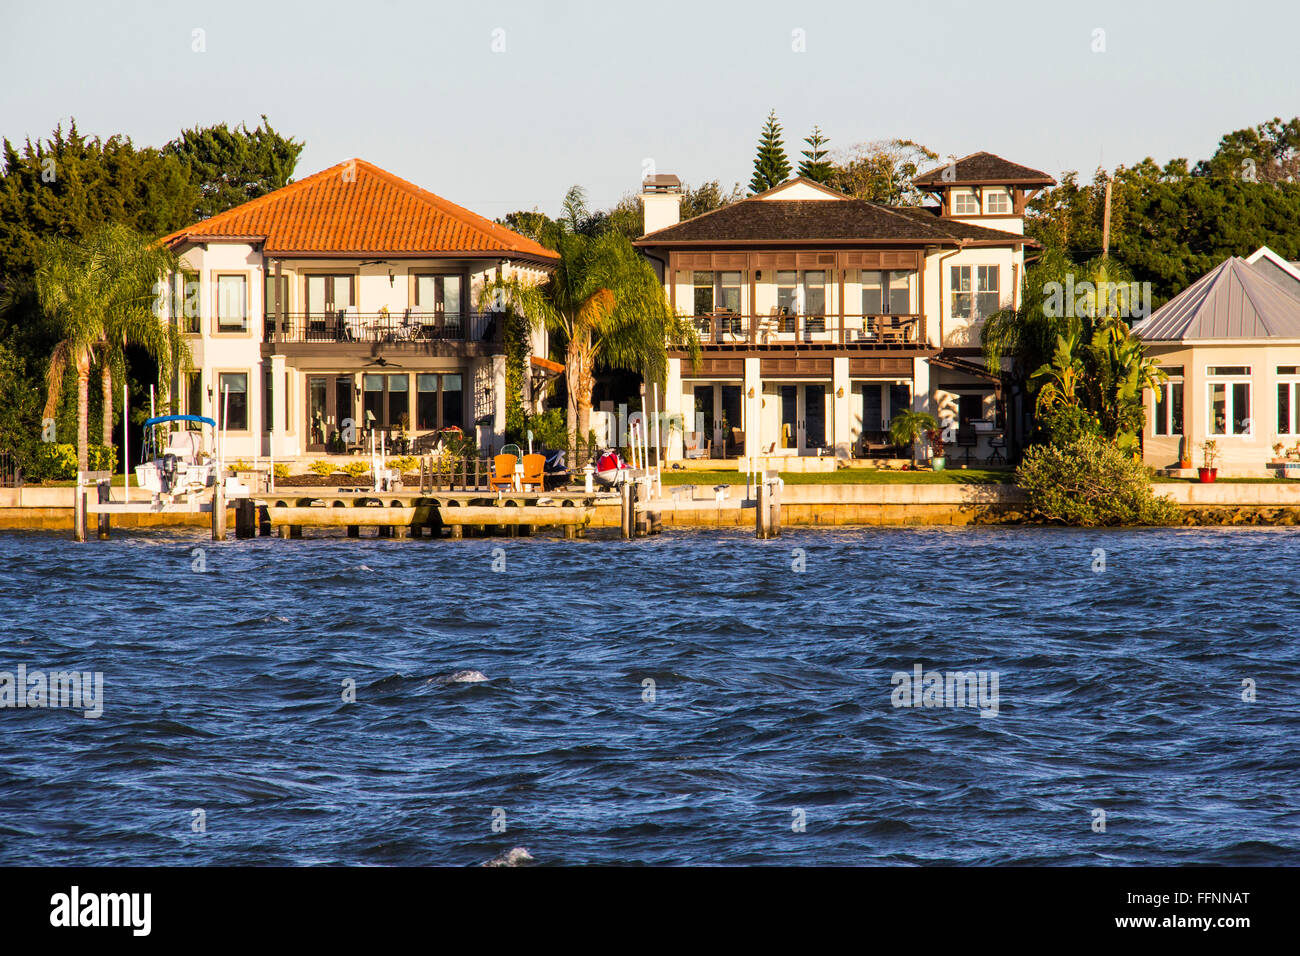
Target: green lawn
850 476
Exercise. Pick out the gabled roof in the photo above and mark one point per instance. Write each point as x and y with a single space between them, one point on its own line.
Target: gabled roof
767 218
356 208
800 184
1235 300
984 169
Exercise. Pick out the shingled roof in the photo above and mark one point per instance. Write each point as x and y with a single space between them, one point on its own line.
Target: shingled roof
824 220
356 208
985 169
1234 300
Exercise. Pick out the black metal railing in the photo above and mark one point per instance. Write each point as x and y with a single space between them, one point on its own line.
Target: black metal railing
410 325
11 476
777 328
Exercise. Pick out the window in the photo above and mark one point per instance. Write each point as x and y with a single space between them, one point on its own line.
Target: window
961 292
193 398
386 399
886 293
372 391
987 296
785 291
1228 392
399 400
1288 411
328 293
964 203
1167 413
996 202
268 303
232 303
439 401
717 290
232 401
434 293
185 300
969 407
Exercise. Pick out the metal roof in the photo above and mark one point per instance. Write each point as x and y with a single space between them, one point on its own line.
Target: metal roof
1232 301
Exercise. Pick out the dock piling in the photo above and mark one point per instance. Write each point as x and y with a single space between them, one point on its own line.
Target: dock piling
219 511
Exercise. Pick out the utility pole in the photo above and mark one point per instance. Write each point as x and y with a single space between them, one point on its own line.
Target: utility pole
1105 223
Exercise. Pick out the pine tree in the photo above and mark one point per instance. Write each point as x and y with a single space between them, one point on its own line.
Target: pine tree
815 165
771 167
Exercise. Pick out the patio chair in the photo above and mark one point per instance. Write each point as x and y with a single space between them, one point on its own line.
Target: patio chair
697 446
503 472
737 441
353 330
534 472
967 439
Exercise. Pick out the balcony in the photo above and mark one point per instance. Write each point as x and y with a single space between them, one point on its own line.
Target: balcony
725 328
409 326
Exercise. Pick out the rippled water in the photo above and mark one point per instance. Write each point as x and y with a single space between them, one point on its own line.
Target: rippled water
1119 690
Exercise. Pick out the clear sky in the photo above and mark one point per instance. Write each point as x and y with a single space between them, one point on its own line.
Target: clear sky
503 105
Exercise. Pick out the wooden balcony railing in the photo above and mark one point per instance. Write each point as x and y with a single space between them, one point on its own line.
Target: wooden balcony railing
411 325
775 329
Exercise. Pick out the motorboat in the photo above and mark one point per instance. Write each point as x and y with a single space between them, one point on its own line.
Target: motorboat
178 464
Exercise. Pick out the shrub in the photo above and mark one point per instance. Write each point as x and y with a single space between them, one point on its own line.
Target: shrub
56 461
405 463
1064 426
1090 483
322 468
355 469
281 472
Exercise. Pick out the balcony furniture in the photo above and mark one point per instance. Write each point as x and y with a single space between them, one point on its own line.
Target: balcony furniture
737 441
697 446
502 475
996 444
967 438
534 472
767 326
787 322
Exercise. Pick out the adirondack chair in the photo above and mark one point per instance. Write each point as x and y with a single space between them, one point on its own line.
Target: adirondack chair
503 473
534 472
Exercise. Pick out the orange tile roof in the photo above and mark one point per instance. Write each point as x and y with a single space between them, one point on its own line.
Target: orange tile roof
357 208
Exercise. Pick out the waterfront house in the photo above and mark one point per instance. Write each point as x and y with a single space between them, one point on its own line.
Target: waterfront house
821 316
1230 344
344 305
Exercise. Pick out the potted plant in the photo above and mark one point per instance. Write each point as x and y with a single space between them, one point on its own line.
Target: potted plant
938 457
1210 451
1278 450
907 428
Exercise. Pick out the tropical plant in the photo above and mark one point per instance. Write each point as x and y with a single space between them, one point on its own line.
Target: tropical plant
908 427
1090 483
604 304
101 293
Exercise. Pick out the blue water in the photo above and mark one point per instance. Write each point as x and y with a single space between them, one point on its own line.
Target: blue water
1119 690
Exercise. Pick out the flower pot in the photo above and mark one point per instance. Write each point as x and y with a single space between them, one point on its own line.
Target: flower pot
1207 474
937 464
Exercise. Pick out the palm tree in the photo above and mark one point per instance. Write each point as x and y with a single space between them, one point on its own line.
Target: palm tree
908 427
603 302
101 291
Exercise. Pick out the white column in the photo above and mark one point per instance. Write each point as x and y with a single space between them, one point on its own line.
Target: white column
278 407
499 390
672 399
841 405
755 440
921 398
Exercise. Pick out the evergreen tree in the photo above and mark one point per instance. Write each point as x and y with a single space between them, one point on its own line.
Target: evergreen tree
771 167
230 166
815 165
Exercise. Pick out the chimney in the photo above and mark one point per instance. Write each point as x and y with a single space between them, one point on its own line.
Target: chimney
661 202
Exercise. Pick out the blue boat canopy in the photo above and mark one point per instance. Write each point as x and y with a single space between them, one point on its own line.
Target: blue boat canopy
163 419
